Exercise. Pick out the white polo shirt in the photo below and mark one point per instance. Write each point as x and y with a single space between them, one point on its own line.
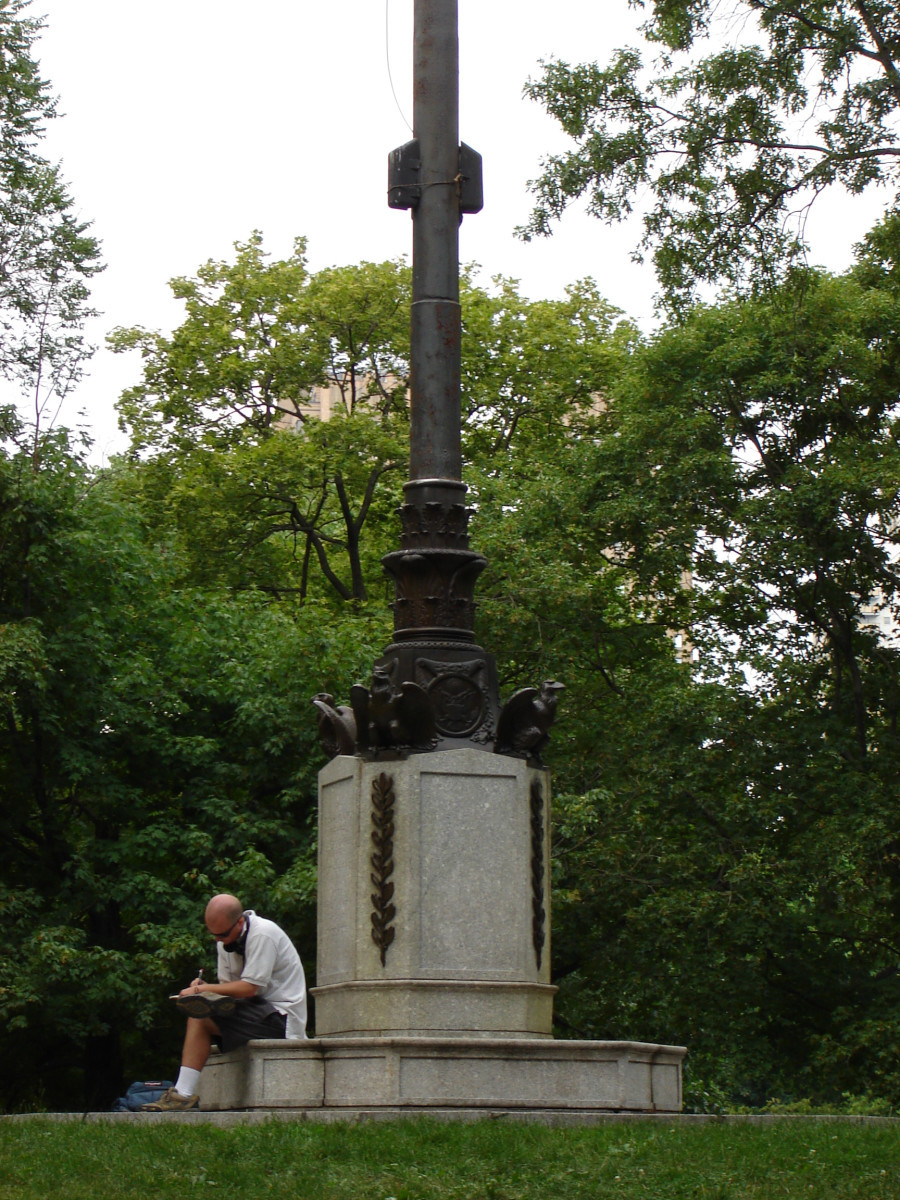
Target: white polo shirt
273 965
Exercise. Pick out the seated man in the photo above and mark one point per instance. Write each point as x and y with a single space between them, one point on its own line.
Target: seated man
260 969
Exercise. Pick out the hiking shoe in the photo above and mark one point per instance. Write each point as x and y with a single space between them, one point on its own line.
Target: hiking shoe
171 1101
205 1004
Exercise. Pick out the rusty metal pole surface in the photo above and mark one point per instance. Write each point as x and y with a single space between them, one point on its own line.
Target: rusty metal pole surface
435 688
434 572
435 316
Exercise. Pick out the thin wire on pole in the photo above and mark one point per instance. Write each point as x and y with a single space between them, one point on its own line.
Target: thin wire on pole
387 55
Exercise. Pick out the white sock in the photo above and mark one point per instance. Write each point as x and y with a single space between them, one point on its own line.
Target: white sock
186 1083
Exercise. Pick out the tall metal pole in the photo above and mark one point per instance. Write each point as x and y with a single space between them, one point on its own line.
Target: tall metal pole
435 317
434 688
434 572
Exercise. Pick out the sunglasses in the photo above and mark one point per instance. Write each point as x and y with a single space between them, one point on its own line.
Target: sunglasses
223 937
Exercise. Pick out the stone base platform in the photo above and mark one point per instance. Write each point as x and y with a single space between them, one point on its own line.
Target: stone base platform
423 1074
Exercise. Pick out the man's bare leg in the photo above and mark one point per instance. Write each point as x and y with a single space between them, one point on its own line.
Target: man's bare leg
198 1039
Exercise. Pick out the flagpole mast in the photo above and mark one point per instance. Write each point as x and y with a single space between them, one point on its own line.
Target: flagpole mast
435 315
434 688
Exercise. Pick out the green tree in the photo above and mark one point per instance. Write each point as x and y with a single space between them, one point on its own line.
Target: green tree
257 337
768 468
46 255
156 745
723 148
264 495
536 377
534 372
243 360
732 876
222 414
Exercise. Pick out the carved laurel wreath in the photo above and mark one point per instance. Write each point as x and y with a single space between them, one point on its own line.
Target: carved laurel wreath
539 914
382 862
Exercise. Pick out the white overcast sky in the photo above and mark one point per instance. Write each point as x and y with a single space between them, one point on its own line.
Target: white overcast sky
186 124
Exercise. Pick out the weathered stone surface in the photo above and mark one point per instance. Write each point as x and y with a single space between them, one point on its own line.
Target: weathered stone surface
446 1073
434 1008
339 833
468 869
293 1076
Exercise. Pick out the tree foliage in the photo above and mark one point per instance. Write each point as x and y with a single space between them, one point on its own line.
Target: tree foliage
723 146
223 399
221 418
158 734
47 255
257 338
155 747
725 857
730 875
733 876
767 465
534 372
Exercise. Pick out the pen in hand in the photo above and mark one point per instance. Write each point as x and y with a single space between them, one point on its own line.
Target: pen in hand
195 984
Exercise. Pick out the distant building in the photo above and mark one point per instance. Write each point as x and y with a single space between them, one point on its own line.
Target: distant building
323 400
877 617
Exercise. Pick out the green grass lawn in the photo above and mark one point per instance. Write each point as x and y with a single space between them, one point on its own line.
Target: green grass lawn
429 1160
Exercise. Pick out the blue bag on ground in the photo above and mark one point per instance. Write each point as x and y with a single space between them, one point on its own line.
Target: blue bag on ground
142 1092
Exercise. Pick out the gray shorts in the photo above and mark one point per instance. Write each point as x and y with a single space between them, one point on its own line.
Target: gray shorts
250 1019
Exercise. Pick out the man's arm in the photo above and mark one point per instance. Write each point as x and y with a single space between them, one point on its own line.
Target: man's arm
238 988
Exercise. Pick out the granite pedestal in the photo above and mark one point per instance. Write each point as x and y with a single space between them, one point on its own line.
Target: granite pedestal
434 898
433 964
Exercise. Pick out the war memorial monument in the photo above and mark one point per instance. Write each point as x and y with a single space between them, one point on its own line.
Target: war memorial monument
433 965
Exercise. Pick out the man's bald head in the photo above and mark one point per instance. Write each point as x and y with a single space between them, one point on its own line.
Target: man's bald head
222 912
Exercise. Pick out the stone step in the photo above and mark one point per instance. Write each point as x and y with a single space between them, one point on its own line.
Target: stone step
426 1074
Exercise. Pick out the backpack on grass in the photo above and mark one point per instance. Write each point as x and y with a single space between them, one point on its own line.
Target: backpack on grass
143 1092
